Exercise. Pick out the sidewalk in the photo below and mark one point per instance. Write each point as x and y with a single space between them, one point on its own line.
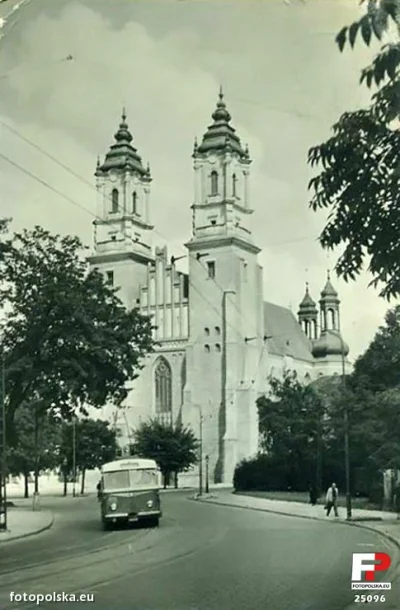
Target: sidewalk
24 522
384 522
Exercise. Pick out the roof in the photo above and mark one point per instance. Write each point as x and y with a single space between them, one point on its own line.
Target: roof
221 136
128 463
287 336
122 154
308 305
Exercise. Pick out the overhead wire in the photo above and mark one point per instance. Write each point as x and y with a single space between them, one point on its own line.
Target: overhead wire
75 203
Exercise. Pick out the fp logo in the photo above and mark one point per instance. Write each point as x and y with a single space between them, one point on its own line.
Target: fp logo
364 570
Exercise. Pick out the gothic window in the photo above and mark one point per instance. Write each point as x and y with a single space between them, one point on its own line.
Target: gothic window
234 180
163 380
134 203
214 183
114 201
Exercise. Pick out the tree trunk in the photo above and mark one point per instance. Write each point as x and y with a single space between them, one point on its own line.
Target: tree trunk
83 481
65 484
36 473
26 485
176 480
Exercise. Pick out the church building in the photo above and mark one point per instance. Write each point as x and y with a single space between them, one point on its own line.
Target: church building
218 340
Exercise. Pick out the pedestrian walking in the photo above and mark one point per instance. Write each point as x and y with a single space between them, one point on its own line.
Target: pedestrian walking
313 494
331 500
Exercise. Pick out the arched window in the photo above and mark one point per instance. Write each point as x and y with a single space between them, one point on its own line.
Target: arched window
163 379
114 201
331 319
134 202
207 348
314 329
218 347
234 180
214 183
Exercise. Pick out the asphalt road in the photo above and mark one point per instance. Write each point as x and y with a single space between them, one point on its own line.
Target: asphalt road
202 557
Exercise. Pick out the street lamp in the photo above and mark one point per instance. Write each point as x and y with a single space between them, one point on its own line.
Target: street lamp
201 455
346 436
207 485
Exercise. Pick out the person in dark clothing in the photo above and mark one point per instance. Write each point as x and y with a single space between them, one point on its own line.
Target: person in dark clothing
313 494
98 487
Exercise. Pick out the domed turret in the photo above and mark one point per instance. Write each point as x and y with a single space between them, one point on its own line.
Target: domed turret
330 342
221 136
308 315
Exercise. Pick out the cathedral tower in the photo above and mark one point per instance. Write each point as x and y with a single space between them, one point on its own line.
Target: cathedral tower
225 301
122 230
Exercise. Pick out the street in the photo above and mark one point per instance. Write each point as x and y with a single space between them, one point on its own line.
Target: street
203 557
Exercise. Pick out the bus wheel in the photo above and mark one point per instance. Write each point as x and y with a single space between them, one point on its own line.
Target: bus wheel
106 526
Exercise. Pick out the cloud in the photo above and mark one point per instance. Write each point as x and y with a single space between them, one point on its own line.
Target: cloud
285 84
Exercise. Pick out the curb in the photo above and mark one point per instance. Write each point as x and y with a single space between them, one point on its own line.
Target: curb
275 512
29 534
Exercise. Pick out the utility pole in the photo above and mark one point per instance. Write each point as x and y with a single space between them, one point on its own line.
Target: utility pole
207 482
74 456
201 455
346 435
3 449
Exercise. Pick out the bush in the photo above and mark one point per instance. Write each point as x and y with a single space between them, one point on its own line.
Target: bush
268 473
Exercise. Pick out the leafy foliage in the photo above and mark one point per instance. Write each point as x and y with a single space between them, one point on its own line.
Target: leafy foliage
95 444
36 443
173 448
360 178
291 423
68 340
378 368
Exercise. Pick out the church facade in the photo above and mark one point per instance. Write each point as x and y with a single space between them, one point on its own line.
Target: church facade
218 340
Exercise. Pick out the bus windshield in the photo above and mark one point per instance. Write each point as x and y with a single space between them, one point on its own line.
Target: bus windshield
127 479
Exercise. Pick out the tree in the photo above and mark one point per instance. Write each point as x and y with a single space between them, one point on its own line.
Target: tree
68 340
360 178
35 447
379 367
95 444
174 448
290 425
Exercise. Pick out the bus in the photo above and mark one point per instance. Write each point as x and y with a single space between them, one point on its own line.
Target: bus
130 492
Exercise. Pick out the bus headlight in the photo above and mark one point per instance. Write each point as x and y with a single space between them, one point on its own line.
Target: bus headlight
113 506
150 504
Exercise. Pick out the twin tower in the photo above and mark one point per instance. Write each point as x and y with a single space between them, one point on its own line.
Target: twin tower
217 338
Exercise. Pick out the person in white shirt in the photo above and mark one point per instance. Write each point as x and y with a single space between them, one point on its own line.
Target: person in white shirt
331 500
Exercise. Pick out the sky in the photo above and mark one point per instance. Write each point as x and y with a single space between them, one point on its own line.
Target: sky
285 84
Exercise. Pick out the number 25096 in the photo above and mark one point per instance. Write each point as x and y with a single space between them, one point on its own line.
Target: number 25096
369 598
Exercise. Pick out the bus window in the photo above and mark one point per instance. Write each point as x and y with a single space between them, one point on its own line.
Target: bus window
144 477
116 480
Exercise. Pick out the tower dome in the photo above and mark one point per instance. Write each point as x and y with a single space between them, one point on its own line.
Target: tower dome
329 343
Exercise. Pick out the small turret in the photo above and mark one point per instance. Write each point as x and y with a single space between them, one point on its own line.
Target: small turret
308 315
330 342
